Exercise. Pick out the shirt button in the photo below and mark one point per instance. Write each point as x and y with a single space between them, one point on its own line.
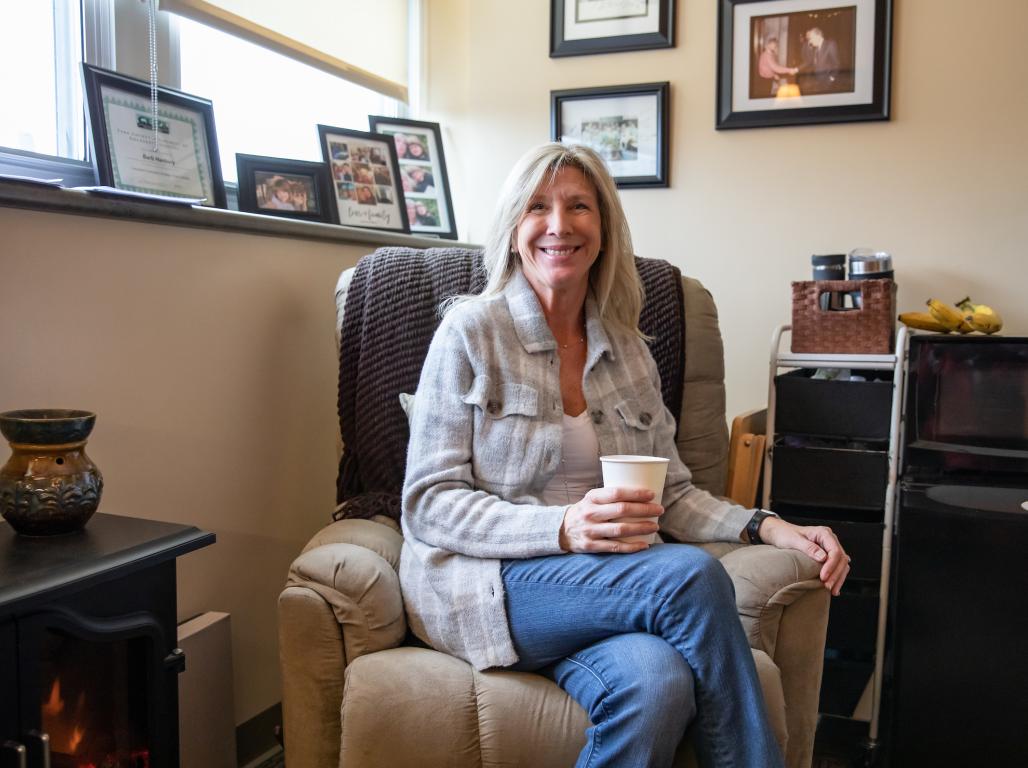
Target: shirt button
493 407
597 417
645 419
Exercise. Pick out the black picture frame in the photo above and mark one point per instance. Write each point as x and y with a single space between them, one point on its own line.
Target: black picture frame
851 83
591 106
564 43
429 136
347 151
304 183
199 112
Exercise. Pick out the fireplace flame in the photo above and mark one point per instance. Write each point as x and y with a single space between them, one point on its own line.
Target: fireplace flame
65 728
54 704
75 739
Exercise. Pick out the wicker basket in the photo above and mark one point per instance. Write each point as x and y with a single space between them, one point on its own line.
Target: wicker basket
867 330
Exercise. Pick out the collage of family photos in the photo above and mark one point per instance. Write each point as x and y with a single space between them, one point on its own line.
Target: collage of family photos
362 167
422 173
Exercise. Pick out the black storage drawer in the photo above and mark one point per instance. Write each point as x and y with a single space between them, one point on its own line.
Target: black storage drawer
859 410
834 477
853 622
862 542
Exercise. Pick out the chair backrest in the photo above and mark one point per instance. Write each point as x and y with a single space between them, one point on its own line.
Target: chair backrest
702 435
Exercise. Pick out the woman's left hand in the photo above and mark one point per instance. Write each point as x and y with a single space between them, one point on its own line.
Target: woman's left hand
816 541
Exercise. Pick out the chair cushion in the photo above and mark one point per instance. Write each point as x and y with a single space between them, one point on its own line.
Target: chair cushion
412 707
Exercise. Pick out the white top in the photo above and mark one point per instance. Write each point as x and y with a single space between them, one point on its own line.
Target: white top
580 463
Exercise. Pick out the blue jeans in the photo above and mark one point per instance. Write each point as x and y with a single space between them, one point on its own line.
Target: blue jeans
635 640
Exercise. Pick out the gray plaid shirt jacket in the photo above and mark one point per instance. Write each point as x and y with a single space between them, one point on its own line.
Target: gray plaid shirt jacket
485 439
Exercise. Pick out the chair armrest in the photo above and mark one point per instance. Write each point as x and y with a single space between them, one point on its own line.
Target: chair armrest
380 534
768 579
342 600
351 565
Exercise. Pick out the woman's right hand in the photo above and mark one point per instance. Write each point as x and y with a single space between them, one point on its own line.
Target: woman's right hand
606 515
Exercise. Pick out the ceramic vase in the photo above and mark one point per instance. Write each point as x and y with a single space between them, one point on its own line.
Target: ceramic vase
49 485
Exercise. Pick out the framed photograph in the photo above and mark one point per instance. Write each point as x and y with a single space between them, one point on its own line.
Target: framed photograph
365 179
579 27
626 124
426 187
798 62
177 157
295 189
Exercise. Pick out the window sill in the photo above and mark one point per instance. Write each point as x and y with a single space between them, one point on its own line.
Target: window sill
58 200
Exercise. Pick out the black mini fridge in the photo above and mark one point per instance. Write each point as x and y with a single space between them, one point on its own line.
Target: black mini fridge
957 659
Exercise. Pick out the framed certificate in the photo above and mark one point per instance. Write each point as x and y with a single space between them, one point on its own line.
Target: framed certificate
176 155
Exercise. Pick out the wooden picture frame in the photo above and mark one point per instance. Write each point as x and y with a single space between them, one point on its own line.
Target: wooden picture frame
626 124
293 189
423 176
582 27
365 177
185 161
803 62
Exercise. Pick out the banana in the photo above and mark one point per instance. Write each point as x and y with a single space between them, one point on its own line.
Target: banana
922 321
981 317
948 315
986 322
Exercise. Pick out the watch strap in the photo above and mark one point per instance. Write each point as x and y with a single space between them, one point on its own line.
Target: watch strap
753 526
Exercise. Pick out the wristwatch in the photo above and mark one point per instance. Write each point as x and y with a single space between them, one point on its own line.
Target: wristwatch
753 526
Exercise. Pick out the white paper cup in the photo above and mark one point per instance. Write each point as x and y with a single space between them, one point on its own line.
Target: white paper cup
646 472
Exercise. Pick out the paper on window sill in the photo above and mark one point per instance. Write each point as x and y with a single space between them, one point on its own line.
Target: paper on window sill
127 193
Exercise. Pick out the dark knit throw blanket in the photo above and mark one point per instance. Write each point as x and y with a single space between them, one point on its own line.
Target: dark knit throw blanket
391 314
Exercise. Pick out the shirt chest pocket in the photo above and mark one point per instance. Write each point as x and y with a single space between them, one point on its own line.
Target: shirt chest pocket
507 443
636 419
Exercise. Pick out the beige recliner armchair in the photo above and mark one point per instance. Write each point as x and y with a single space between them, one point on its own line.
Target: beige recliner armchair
355 696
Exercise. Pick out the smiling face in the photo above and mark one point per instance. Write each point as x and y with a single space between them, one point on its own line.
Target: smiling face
560 234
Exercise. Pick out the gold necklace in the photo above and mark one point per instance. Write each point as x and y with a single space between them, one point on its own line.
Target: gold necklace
570 344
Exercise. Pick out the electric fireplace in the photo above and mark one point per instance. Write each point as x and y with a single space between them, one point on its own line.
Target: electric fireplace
88 664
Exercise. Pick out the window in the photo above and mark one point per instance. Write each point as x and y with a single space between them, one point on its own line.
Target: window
266 103
41 47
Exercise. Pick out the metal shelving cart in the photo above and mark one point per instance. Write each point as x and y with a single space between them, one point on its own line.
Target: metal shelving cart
891 439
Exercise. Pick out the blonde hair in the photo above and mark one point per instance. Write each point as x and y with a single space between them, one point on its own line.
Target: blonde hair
613 278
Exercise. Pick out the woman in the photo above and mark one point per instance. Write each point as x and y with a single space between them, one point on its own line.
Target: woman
513 554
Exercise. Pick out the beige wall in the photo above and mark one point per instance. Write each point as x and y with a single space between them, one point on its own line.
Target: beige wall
209 358
943 186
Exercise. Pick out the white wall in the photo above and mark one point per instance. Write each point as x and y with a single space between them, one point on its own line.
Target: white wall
943 185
